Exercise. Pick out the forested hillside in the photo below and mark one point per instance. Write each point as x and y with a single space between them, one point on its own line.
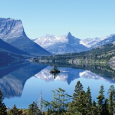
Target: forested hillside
98 55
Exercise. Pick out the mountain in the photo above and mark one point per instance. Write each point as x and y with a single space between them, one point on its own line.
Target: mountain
60 44
7 58
10 54
12 32
101 55
70 44
10 48
96 42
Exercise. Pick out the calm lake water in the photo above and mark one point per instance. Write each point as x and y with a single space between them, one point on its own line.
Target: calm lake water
22 84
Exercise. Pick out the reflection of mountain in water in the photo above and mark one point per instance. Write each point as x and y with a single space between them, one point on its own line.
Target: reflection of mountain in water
70 74
12 84
89 75
67 74
13 78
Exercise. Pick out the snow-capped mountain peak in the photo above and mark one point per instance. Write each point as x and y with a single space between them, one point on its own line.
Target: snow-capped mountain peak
96 42
60 44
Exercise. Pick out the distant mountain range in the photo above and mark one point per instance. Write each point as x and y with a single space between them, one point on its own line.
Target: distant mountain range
60 44
96 42
12 32
70 44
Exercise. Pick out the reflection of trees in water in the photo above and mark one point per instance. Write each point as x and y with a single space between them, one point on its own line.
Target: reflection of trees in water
99 69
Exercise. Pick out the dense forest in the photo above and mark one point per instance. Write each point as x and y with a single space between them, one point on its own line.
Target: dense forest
100 54
80 103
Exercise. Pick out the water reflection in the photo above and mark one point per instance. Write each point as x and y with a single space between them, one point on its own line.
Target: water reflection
66 74
13 78
70 74
21 80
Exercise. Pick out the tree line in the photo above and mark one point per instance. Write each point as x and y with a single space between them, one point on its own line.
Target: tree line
80 103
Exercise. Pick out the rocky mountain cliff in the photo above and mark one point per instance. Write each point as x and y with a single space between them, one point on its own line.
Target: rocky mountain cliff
12 32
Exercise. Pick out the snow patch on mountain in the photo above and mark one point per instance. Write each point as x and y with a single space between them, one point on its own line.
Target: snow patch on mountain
96 42
60 44
48 40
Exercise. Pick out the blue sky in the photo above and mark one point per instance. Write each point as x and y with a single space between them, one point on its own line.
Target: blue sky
83 18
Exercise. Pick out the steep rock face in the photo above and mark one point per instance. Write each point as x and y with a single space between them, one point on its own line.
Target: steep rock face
12 32
10 29
61 44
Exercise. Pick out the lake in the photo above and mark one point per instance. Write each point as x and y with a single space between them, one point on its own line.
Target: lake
23 83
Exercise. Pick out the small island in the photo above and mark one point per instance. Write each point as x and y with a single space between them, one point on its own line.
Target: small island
55 70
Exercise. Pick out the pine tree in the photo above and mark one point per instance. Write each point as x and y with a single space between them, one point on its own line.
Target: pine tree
111 99
81 104
94 108
78 103
47 106
15 111
100 102
88 100
34 110
78 89
105 108
2 105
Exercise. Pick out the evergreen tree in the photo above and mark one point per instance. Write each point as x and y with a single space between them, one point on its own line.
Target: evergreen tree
78 89
2 105
15 111
105 108
34 110
94 108
88 100
47 106
100 102
78 104
111 99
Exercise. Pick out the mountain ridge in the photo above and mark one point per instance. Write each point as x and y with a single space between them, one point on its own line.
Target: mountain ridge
12 32
60 44
70 44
